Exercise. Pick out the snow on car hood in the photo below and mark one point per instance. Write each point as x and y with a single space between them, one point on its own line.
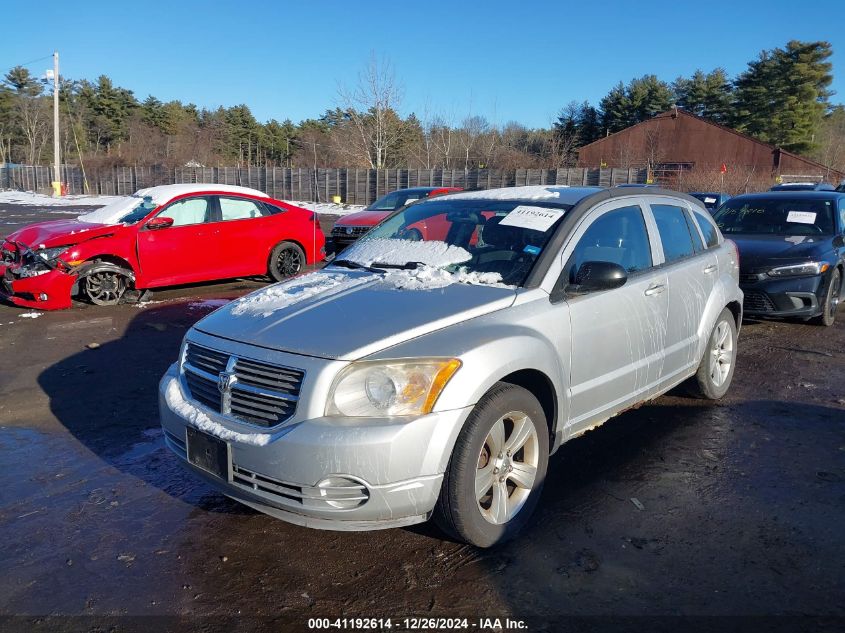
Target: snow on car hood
350 314
58 233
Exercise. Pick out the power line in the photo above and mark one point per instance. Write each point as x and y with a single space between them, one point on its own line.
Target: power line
29 63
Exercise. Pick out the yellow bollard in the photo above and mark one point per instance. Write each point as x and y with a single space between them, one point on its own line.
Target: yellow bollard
57 189
336 199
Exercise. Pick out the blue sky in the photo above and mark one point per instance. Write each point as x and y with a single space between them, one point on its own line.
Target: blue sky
507 61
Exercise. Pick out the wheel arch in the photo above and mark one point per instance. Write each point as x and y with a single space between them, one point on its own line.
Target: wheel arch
736 310
287 240
541 387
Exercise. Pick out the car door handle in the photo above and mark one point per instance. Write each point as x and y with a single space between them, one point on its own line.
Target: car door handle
654 289
710 269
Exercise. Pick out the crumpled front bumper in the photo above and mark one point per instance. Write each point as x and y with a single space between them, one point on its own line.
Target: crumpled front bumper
48 291
399 466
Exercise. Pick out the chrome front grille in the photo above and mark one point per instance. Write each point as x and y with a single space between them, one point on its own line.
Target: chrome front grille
253 391
349 232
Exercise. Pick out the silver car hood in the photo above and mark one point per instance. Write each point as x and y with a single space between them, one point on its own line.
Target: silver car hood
358 317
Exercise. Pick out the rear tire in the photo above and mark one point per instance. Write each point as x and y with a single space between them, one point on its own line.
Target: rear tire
286 260
716 370
497 469
831 301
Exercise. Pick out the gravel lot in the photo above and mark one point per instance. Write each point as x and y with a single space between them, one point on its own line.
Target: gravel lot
679 508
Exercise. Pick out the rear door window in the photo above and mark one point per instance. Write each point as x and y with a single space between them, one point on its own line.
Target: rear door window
674 232
240 209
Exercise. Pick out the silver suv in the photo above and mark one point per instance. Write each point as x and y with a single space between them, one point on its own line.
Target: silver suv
434 368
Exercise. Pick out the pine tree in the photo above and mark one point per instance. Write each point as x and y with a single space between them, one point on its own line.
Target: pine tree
707 95
783 95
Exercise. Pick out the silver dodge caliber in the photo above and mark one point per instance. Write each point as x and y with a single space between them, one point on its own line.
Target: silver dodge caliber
432 368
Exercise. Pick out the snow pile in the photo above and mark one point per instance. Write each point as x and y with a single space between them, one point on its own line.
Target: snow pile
41 200
531 192
196 418
30 315
399 252
327 208
206 304
430 277
279 296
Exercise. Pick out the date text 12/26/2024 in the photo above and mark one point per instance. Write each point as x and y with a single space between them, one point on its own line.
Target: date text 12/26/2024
417 624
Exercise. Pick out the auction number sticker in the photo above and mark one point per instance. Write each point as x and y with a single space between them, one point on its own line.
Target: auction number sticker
528 217
801 217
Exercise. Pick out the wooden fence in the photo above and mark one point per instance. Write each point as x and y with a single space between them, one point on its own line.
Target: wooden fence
354 186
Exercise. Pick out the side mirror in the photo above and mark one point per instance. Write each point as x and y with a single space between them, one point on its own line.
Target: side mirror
597 276
159 222
839 241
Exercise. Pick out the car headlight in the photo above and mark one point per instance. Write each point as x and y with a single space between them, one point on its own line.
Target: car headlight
49 254
810 268
390 388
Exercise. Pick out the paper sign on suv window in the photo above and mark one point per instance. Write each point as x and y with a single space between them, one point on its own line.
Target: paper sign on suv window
528 217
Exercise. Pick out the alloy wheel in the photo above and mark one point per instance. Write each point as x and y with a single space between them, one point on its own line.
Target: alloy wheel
288 263
104 287
721 354
507 467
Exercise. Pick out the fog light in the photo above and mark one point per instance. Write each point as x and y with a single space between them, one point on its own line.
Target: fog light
43 297
342 493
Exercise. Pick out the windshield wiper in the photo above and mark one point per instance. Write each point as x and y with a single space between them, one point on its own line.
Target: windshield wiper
405 266
348 263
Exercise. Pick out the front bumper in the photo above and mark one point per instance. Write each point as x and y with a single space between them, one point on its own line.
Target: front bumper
48 291
398 466
789 297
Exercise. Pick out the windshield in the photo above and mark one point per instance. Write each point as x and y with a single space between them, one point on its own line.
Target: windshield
500 237
779 215
122 210
393 201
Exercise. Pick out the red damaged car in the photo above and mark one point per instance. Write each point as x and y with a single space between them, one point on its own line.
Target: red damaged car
162 236
349 228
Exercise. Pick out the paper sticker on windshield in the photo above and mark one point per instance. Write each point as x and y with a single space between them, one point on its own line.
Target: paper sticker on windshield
709 200
528 217
801 217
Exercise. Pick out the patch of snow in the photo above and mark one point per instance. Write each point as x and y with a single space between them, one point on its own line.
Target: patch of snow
327 208
30 315
399 252
430 277
41 200
196 418
268 300
531 192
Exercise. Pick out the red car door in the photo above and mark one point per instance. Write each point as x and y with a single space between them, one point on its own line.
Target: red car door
183 252
243 233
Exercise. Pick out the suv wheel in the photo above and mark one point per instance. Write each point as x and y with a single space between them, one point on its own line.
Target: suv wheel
717 366
831 300
497 468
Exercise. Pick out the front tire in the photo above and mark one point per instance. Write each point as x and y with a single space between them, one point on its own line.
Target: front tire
104 284
831 301
286 260
497 469
716 370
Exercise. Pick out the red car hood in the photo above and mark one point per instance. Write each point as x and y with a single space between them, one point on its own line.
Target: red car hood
363 218
60 233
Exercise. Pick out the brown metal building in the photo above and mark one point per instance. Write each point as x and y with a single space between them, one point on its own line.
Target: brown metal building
677 140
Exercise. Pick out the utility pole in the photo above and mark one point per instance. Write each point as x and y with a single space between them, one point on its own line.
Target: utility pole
57 164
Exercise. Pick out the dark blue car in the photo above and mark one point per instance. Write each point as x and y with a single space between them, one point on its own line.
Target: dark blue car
791 252
712 200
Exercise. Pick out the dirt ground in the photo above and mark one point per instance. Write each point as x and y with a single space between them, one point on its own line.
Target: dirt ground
679 508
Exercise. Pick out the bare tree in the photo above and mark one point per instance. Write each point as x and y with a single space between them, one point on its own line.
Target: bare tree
34 117
372 107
